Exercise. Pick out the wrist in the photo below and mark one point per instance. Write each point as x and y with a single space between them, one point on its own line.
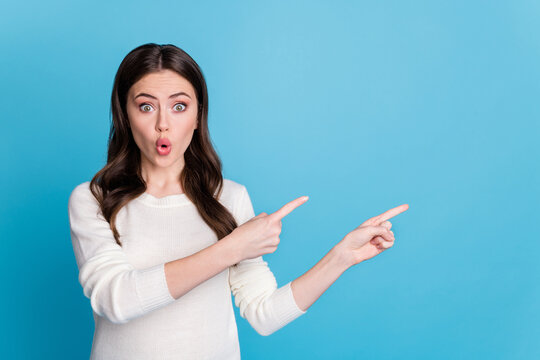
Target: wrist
229 249
341 257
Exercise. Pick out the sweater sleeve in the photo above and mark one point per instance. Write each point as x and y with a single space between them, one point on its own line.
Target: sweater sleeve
266 307
117 291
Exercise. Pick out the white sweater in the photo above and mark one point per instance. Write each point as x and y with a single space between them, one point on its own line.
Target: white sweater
135 315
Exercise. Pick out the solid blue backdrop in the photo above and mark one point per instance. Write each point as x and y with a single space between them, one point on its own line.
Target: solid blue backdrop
362 106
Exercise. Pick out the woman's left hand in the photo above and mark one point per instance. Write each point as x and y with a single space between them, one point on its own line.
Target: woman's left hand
370 238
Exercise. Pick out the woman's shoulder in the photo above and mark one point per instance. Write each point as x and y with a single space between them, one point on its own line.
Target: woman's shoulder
238 199
82 187
81 193
232 189
232 186
85 186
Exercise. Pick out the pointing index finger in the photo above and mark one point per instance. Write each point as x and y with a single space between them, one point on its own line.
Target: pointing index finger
287 208
391 213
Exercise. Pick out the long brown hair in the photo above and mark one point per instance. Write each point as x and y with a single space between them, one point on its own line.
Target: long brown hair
120 180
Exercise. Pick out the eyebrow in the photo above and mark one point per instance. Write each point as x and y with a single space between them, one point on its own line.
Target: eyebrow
170 97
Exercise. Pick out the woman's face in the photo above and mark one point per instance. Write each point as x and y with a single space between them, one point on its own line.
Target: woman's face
162 105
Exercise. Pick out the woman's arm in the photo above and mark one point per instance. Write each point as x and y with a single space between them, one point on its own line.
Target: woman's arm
310 286
187 273
266 307
366 241
269 308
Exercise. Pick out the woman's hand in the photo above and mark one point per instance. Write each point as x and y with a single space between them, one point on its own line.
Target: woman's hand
260 235
370 238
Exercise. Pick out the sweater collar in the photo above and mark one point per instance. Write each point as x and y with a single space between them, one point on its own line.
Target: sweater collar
166 201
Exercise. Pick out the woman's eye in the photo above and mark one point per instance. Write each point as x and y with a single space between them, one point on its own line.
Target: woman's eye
180 107
145 107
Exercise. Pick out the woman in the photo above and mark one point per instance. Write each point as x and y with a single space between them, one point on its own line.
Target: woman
161 238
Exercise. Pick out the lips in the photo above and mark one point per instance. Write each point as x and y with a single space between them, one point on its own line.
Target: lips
163 141
163 146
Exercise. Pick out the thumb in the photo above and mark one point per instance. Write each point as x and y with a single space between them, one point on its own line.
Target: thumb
260 215
387 224
373 231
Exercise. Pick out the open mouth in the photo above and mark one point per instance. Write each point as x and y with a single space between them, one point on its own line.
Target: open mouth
163 149
163 146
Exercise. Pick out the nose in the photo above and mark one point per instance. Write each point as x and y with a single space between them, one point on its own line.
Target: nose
162 123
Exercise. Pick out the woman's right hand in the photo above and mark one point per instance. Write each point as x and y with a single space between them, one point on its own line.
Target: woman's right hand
260 235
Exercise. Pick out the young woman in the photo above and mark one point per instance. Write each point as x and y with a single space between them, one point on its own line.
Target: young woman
161 238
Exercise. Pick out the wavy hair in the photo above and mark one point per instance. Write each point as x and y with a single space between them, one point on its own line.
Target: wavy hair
120 180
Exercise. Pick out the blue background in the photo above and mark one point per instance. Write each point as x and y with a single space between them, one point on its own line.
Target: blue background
363 106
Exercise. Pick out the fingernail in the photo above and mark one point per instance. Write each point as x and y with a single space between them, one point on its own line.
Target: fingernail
304 198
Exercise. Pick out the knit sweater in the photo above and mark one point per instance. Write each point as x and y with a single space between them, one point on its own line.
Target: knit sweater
135 315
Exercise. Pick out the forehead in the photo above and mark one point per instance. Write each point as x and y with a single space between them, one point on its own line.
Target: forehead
162 84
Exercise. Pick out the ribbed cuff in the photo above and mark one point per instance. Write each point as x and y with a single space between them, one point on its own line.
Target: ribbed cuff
152 288
285 307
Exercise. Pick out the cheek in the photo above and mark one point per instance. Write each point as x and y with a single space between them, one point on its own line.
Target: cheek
139 133
188 123
137 137
184 133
